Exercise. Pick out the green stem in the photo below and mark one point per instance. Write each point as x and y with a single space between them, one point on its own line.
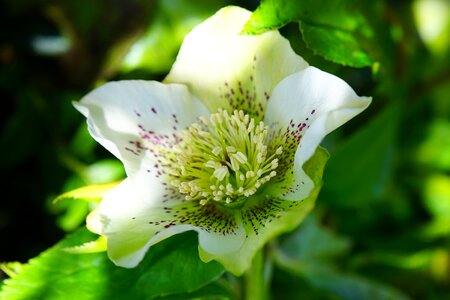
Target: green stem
255 286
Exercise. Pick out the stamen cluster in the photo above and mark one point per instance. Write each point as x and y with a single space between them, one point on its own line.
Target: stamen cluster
223 158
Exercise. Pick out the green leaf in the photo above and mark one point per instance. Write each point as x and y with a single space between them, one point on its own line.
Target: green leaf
437 196
349 286
11 268
104 171
103 176
82 144
359 169
307 254
170 267
334 29
75 212
217 290
339 46
271 14
433 24
157 48
92 193
435 149
99 245
312 241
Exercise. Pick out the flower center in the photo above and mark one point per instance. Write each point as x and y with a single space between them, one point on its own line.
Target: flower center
224 159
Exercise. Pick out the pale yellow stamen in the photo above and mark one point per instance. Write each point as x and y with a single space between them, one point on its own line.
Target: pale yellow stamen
223 158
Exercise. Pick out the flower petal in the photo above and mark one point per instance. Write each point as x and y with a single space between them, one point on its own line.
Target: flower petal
93 223
304 108
133 217
266 219
133 119
232 71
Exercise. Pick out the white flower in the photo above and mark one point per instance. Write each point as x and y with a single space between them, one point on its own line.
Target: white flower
219 147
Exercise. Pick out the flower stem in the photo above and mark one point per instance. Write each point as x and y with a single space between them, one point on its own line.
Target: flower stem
255 285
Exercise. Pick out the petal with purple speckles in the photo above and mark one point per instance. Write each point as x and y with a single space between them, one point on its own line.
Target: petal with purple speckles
232 71
133 217
265 219
317 103
135 118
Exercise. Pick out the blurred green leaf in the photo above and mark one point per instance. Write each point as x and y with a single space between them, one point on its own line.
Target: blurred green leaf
437 196
170 267
349 286
156 50
106 170
20 131
334 29
437 228
91 193
213 291
313 241
433 24
11 268
435 150
98 31
289 286
411 260
102 176
74 215
359 168
308 253
82 144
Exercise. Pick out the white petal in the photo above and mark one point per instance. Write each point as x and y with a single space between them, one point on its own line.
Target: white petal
93 222
262 224
264 219
142 211
219 231
304 108
132 119
232 71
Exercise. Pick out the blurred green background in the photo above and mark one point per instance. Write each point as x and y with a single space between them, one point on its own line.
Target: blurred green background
384 212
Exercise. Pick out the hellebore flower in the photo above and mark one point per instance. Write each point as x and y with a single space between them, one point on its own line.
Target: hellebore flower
220 147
